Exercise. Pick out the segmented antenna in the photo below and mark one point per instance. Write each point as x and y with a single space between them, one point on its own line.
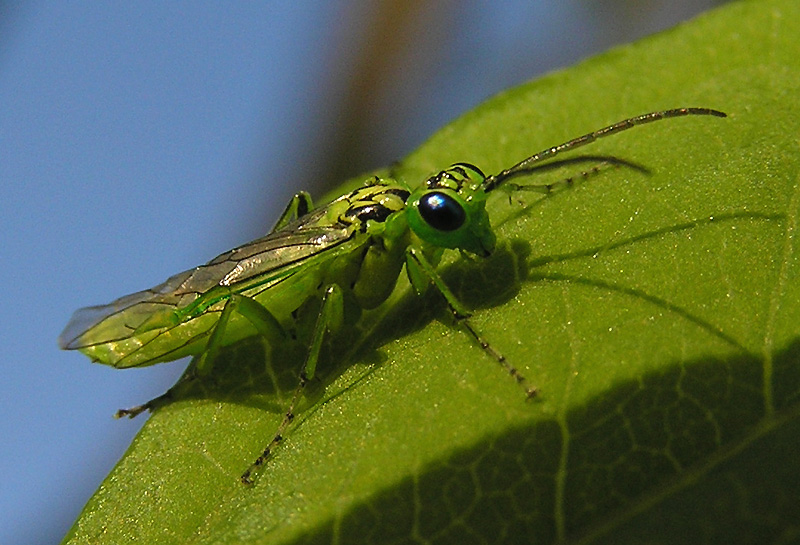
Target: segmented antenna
527 165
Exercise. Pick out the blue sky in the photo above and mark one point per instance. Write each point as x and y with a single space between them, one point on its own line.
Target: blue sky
141 139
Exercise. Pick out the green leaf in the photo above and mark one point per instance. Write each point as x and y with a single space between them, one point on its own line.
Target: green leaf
659 315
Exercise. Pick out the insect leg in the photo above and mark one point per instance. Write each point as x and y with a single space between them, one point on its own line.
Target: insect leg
299 206
133 412
200 366
329 319
264 322
420 269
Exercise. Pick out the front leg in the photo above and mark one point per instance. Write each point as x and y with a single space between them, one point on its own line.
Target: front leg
421 272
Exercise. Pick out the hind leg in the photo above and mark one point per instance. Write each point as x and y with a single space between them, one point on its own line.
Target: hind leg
265 323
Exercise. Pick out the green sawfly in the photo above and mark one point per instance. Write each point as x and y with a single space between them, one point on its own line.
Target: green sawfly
351 249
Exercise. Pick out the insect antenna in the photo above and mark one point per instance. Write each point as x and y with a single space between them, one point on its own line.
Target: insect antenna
528 165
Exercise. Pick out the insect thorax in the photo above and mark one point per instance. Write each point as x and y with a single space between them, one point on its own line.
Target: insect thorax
376 202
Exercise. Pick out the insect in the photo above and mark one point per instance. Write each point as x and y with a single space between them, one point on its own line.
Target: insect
351 250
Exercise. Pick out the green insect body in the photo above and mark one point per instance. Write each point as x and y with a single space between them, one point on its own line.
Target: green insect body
352 249
176 318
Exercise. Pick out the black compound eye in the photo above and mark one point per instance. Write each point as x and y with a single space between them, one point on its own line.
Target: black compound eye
441 211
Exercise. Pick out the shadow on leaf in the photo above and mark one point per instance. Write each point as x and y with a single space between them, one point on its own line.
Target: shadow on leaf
694 432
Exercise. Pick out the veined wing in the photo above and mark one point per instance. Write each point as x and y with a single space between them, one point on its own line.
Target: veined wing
111 332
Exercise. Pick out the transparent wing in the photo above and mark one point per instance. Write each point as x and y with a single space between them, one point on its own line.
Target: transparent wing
261 263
